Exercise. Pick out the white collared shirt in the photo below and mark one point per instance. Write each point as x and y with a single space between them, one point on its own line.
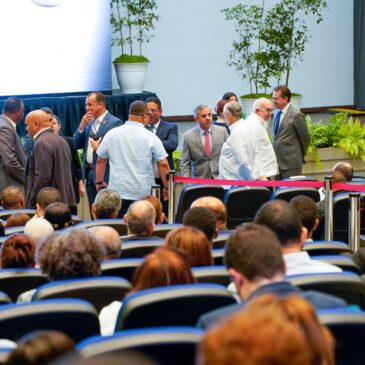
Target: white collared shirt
155 126
94 128
202 135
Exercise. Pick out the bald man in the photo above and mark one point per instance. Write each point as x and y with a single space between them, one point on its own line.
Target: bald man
49 161
217 207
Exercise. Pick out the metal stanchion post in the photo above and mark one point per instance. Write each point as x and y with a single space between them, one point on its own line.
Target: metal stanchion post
170 176
328 211
156 191
354 221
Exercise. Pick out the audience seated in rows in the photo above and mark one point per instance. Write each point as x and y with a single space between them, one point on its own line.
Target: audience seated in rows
254 260
307 210
140 221
283 219
16 220
59 215
217 207
203 219
12 198
38 229
270 330
160 216
109 238
17 251
106 205
70 254
165 266
40 348
194 243
46 197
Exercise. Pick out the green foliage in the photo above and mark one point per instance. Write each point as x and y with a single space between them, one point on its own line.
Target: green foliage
131 21
126 58
176 156
270 41
341 132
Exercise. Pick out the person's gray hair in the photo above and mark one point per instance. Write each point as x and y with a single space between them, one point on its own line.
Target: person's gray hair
234 108
39 229
107 203
140 216
258 103
199 108
109 238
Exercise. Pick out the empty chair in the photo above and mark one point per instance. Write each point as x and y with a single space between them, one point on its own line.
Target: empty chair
16 281
242 204
123 268
218 255
139 249
99 291
193 192
76 318
347 286
5 214
173 345
117 224
4 298
161 230
340 216
211 274
326 248
289 193
344 262
348 329
177 305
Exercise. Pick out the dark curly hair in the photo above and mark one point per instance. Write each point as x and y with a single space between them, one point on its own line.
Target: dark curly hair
74 253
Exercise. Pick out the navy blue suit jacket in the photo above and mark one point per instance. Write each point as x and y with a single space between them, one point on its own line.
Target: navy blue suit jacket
281 289
167 133
82 138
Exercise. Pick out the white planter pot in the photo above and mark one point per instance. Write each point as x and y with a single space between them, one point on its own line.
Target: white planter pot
131 76
247 105
296 101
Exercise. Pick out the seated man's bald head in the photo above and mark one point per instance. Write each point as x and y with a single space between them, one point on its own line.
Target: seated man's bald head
216 206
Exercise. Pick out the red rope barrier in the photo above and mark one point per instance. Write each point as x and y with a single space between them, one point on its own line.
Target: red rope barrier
276 183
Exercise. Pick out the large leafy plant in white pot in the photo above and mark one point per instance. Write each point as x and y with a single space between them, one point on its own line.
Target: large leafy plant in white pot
131 23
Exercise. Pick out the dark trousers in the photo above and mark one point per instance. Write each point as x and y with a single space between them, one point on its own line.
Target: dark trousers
90 187
125 205
165 203
291 172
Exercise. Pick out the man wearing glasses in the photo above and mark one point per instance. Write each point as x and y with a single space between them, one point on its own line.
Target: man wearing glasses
132 151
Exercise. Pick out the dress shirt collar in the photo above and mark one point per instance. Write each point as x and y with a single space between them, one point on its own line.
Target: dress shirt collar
284 110
202 131
39 132
155 126
101 117
236 124
11 122
134 124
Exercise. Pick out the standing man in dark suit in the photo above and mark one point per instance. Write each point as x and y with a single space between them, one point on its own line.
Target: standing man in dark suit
13 159
202 146
93 126
168 134
49 161
289 134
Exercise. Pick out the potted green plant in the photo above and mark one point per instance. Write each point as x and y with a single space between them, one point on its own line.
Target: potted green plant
131 23
342 138
270 41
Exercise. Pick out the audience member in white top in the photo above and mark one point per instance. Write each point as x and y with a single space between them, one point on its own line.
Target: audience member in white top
284 220
165 266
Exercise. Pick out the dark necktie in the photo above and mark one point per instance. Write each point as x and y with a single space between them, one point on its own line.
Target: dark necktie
277 123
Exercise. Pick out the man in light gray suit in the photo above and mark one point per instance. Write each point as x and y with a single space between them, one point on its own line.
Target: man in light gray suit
202 146
289 134
13 159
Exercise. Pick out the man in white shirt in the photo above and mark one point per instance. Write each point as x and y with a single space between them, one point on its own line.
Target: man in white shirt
132 151
247 154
